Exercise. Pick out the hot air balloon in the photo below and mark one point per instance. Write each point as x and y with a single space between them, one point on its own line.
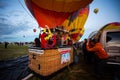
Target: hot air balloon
55 13
24 36
96 10
34 30
50 14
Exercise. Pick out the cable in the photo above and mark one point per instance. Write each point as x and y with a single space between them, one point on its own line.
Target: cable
29 13
26 10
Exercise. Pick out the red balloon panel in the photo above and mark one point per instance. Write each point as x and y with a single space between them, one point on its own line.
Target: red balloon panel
47 17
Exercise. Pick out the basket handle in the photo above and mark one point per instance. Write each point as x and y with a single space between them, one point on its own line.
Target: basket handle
34 56
38 66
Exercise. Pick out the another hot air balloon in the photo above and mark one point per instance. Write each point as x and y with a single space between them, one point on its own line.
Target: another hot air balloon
96 10
34 30
113 25
24 36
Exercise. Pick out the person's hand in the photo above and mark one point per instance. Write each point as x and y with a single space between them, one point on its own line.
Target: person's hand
47 26
88 42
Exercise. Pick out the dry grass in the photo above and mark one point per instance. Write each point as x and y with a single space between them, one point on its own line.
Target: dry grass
12 51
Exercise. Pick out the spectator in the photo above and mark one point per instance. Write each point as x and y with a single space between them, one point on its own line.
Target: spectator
101 57
88 56
84 50
76 59
37 42
6 44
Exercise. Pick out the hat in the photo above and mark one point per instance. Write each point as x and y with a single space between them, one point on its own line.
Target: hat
93 40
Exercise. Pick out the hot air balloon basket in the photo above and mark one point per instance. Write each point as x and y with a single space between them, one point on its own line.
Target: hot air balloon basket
46 62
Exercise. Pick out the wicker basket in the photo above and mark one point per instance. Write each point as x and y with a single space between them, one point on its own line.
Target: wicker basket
46 62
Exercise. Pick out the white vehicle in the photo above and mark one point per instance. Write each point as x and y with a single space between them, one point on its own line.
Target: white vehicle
109 37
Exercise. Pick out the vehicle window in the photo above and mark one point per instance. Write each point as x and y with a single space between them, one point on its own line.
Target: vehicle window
113 37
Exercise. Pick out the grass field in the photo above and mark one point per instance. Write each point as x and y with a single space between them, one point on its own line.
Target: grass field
12 51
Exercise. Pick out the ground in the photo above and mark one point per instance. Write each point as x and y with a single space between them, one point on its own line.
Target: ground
80 71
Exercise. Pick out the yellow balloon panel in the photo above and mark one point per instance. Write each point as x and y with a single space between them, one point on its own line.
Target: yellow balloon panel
111 27
77 25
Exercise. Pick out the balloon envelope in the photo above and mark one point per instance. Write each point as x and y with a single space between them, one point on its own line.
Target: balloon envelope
62 5
110 26
71 14
54 12
75 24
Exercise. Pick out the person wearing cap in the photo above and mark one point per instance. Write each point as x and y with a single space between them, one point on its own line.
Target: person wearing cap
101 56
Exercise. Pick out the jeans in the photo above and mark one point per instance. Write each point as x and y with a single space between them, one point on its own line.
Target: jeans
99 67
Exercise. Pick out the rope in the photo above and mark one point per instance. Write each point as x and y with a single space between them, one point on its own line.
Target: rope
28 13
26 10
74 71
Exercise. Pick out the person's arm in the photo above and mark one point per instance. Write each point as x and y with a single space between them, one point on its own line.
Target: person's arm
49 31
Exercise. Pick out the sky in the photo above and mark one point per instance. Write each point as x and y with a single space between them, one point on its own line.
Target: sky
16 23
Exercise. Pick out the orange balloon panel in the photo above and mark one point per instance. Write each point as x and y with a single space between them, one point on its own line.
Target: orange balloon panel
62 5
54 12
47 17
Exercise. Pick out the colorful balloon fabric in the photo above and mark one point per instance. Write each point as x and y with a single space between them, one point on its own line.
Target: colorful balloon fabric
113 25
109 26
54 12
75 23
71 14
